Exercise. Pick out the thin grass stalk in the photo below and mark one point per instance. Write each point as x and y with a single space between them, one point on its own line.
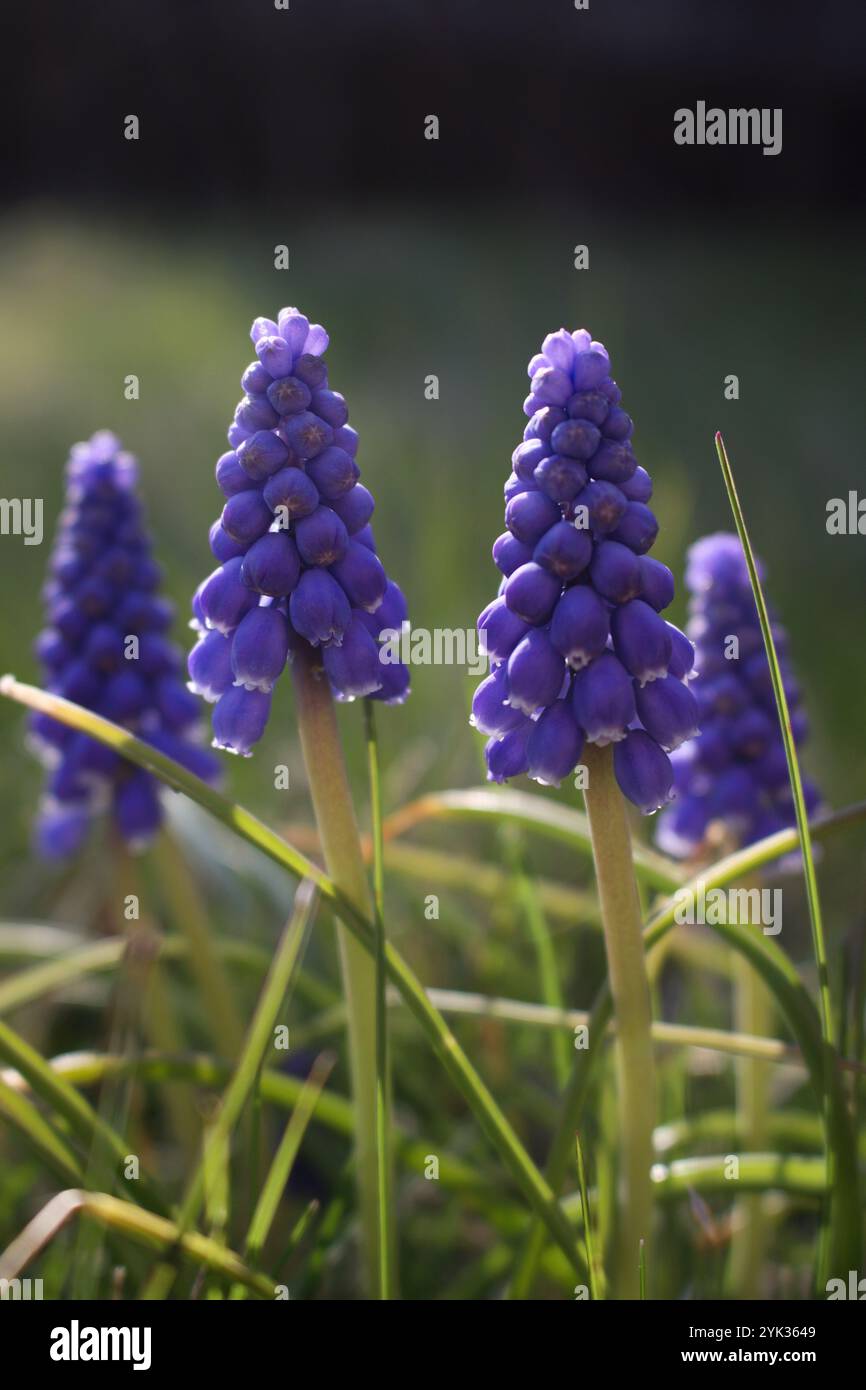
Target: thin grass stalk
387 1241
843 1179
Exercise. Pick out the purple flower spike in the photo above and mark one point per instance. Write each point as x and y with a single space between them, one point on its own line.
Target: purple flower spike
354 668
668 711
734 785
293 491
295 526
682 654
615 572
637 528
578 439
137 808
271 566
599 508
554 745
210 666
222 546
361 575
536 673
639 487
507 757
656 581
318 608
500 630
354 508
289 396
306 435
531 592
643 771
224 598
560 478
509 553
641 640
239 719
603 700
262 454
260 646
580 625
577 573
231 476
564 550
246 516
321 538
334 472
491 713
529 514
105 647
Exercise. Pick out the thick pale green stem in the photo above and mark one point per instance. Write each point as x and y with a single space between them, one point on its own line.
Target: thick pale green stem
620 911
341 846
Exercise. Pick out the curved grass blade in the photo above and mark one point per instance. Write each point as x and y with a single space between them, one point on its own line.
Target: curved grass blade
477 1095
843 1178
32 983
259 1037
536 813
792 999
65 1101
125 1218
22 1113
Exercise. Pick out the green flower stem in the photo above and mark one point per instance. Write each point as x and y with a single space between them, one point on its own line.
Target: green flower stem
341 846
621 920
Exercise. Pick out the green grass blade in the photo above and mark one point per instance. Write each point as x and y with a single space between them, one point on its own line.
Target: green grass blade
587 1222
844 1179
259 1037
781 699
383 1150
22 1113
536 813
529 902
65 1101
140 1225
447 1049
281 1168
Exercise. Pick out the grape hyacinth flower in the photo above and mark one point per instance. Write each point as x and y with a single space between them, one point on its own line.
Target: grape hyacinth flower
579 649
105 646
297 562
733 778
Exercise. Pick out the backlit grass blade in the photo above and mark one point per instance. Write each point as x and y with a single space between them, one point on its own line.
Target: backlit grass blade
127 1219
537 813
19 1111
781 699
843 1181
75 1110
587 1222
281 1168
499 1132
206 1180
383 1153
